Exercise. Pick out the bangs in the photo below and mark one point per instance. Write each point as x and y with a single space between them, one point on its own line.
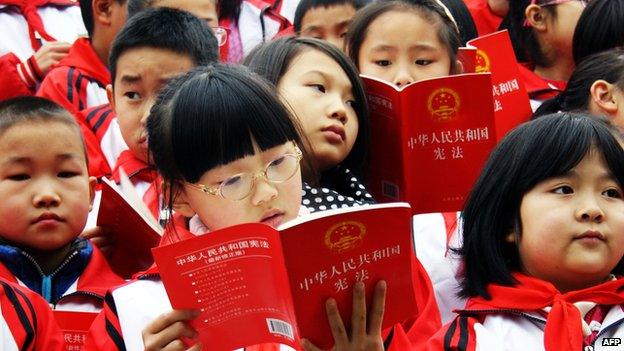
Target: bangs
236 112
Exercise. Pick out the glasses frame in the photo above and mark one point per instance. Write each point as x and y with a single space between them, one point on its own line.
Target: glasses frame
217 190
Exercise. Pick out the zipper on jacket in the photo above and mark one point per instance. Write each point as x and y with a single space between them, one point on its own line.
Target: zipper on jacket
511 311
46 280
607 328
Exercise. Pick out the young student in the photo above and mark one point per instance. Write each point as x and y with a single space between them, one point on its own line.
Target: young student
543 241
541 33
208 147
249 23
27 321
154 46
40 33
404 41
596 86
47 196
325 19
79 80
323 89
598 29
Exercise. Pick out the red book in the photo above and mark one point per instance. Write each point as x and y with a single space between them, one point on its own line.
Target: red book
468 59
430 139
75 327
511 100
256 285
134 228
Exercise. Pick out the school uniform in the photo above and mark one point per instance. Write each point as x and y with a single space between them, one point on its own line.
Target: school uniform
286 8
26 25
79 80
105 134
484 19
534 316
257 23
131 307
26 321
538 88
78 284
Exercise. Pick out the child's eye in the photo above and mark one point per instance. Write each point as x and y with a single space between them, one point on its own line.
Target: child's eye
132 95
231 181
67 174
318 87
350 103
615 193
19 177
564 189
343 34
383 63
423 62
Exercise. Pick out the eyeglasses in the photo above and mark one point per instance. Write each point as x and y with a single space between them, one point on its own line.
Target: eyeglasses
239 186
551 3
221 33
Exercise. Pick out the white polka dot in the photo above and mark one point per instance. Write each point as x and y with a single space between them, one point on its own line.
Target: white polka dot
347 170
303 193
349 198
353 179
356 205
325 190
322 207
334 206
311 209
313 191
368 195
318 200
358 193
306 201
361 186
352 185
330 198
344 205
340 198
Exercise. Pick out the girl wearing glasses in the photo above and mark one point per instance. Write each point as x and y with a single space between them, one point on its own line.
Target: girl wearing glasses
228 153
541 32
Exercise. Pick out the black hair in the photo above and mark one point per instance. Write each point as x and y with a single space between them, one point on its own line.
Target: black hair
608 66
525 44
210 117
165 28
429 9
305 5
599 28
271 60
229 9
136 6
531 153
86 11
463 18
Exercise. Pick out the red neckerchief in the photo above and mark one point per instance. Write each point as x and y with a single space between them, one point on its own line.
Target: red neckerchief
28 8
82 56
539 88
563 330
138 170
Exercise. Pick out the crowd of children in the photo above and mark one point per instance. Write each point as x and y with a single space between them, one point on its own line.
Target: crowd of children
224 112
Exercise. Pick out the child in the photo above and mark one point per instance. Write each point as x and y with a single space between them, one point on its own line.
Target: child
36 37
79 80
208 146
325 19
46 197
543 236
394 41
28 320
154 46
541 33
597 86
323 89
598 29
205 10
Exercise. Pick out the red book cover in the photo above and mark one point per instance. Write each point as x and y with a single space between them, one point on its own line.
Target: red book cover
75 327
511 101
468 59
256 285
431 139
134 229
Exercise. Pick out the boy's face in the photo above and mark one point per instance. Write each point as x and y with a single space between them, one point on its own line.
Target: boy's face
328 23
141 73
206 10
45 188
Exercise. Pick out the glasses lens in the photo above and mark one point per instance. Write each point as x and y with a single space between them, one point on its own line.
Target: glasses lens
236 187
282 168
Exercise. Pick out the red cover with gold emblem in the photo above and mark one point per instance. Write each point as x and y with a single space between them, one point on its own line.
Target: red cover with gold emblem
495 54
256 285
430 139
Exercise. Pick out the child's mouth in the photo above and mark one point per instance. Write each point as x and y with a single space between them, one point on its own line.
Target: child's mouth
273 218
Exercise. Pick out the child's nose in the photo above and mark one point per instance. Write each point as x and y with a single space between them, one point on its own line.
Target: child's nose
263 191
46 198
590 212
338 109
403 77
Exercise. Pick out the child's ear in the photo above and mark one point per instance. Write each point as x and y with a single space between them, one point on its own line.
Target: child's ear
181 204
602 96
110 95
458 67
102 12
92 184
535 17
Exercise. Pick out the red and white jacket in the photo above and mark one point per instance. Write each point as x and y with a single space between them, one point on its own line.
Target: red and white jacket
26 321
86 294
131 307
25 25
539 89
79 81
105 142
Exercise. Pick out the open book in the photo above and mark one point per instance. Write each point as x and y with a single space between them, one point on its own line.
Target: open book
134 228
511 102
431 139
254 284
